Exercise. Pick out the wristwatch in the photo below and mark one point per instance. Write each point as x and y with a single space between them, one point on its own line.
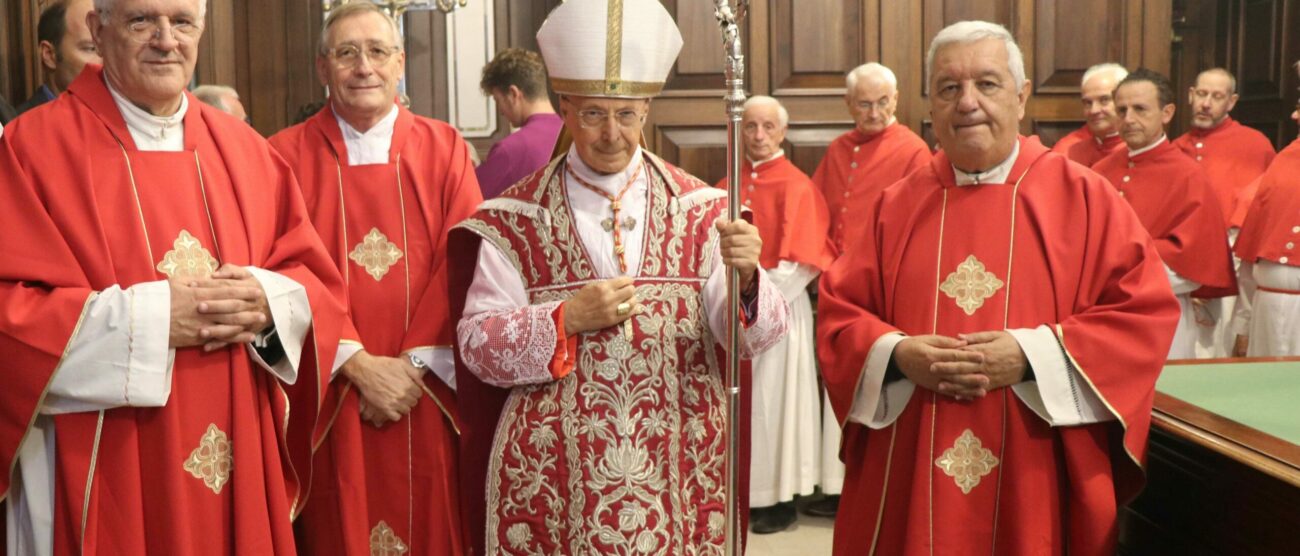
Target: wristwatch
416 362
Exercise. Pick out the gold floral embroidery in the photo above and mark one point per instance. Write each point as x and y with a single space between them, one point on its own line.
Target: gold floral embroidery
212 460
967 461
376 254
187 259
970 285
384 542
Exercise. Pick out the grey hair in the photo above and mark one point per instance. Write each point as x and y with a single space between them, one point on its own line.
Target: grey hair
1115 71
763 100
1232 79
867 70
215 95
103 7
974 31
352 9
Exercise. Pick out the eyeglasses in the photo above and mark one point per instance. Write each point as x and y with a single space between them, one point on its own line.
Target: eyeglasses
145 29
349 55
626 118
880 105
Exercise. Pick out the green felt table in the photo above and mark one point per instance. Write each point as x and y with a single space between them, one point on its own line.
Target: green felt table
1263 395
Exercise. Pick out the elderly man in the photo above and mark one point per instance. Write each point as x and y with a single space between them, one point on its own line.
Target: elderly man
223 98
1176 204
65 46
383 186
877 152
1232 154
1102 127
1269 307
516 79
596 308
161 285
792 220
992 343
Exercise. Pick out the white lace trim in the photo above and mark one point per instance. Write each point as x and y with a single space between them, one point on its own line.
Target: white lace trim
771 322
510 347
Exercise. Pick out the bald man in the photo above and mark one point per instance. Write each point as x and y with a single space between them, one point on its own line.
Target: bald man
222 98
1099 135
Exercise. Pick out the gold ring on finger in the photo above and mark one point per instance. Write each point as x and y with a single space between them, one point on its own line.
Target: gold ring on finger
623 309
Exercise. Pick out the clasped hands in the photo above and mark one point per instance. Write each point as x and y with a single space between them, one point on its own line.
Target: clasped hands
228 307
966 367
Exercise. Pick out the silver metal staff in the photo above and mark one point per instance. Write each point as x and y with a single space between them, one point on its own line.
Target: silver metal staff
729 19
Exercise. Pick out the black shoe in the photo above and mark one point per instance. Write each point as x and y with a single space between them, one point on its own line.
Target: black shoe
826 507
772 519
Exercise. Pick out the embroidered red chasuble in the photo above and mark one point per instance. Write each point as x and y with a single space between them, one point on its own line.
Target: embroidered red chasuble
789 212
1174 200
1271 230
1055 247
625 453
858 167
1089 152
378 489
220 469
1233 155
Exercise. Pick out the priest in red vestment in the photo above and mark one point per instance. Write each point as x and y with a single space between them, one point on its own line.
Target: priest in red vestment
1102 124
786 417
1233 155
992 342
162 286
589 366
878 151
1174 200
383 186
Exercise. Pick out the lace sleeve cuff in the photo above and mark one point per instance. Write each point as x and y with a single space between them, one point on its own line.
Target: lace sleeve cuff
515 347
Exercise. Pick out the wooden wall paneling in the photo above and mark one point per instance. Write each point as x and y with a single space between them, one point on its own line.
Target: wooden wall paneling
902 49
1198 42
426 63
813 46
1262 48
700 150
1072 36
806 144
216 61
20 71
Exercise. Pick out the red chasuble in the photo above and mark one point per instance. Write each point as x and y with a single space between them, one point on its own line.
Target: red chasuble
858 167
1089 151
1271 230
1233 155
1054 247
789 213
221 468
1064 144
1173 199
385 225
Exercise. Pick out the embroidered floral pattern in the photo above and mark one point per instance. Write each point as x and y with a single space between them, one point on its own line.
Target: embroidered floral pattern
385 542
376 254
967 461
970 285
187 259
511 347
212 460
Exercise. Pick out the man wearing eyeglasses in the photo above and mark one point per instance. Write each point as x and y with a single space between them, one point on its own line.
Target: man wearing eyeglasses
66 47
383 186
590 339
162 286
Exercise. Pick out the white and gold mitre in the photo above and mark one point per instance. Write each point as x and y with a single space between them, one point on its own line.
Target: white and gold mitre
609 48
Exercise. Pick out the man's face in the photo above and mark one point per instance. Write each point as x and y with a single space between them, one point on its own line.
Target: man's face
77 48
606 131
762 130
149 47
1142 118
1211 99
1099 105
507 105
975 103
363 65
872 103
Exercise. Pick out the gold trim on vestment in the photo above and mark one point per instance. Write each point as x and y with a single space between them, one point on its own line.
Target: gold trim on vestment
406 246
385 542
967 461
90 478
884 490
606 88
139 208
613 41
970 285
212 461
1060 333
376 254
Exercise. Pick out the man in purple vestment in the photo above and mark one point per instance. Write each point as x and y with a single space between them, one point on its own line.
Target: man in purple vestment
516 79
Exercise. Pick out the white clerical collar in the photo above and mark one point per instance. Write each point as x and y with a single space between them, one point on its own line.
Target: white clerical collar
370 146
150 132
610 183
1132 153
755 164
996 174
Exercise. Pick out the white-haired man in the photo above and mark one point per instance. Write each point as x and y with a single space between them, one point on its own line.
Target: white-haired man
992 343
383 186
162 285
792 220
595 309
223 98
1099 135
878 151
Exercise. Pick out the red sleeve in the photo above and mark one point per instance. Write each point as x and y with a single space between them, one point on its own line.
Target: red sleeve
566 347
